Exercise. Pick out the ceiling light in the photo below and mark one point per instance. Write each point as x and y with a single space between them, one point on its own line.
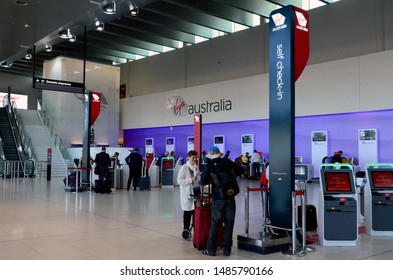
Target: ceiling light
48 48
72 38
6 64
99 25
110 9
65 34
28 56
134 10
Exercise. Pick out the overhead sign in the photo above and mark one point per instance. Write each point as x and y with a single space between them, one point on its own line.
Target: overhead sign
58 85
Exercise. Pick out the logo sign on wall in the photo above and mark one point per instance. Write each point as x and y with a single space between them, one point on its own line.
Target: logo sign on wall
177 105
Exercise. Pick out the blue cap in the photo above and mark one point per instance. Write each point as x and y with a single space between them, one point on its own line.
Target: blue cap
214 149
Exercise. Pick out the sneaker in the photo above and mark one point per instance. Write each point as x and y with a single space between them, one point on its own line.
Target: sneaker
226 253
208 253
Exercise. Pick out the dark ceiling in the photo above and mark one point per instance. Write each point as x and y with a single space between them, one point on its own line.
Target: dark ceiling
158 26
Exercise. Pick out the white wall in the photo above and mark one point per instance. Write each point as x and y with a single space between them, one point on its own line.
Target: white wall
65 110
348 85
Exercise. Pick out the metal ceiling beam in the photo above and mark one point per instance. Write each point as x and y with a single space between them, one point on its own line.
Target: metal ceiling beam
259 7
127 40
192 16
94 41
156 18
218 10
168 33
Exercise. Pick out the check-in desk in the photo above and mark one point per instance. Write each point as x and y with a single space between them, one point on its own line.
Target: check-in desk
338 213
378 199
167 172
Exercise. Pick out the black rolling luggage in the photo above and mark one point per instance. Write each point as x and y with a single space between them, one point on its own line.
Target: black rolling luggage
102 186
144 180
311 217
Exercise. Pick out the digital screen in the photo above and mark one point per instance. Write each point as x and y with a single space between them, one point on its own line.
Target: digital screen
167 164
246 139
382 179
169 141
149 142
367 135
219 140
319 137
338 182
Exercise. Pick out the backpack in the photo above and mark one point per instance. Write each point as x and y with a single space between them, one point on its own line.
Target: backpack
224 179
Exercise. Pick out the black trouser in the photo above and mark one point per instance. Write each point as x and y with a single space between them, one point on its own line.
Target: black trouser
134 176
187 215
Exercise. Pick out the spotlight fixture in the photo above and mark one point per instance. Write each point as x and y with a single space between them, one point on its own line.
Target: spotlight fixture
110 9
134 10
48 48
6 64
72 39
99 25
65 34
28 56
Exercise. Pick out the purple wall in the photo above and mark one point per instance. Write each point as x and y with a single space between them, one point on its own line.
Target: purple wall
342 134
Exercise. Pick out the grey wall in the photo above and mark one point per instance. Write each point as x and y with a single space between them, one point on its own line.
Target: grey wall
343 29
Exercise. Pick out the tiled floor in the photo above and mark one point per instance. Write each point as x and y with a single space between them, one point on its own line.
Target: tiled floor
40 221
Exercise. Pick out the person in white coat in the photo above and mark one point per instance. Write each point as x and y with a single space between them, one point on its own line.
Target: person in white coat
188 175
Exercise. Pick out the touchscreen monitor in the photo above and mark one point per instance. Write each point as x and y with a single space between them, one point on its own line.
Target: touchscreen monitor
338 181
381 179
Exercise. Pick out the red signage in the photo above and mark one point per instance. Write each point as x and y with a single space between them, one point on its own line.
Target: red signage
95 106
302 40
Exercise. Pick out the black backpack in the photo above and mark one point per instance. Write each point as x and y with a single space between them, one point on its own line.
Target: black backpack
224 179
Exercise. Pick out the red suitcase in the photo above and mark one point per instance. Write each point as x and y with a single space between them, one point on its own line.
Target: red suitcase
202 224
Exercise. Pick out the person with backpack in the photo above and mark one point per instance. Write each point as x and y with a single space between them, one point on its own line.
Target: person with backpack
222 174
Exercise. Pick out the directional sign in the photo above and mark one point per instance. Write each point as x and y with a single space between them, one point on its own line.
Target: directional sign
57 85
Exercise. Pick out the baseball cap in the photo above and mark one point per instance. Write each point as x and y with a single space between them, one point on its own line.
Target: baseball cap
214 149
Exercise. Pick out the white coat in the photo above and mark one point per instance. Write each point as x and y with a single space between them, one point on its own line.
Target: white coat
184 179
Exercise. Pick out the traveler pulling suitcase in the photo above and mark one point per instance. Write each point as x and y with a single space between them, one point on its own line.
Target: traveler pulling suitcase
144 180
103 186
202 224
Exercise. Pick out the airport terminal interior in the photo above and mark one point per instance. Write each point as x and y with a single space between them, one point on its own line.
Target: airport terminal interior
41 221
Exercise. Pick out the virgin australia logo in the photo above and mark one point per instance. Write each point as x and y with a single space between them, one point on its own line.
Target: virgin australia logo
302 21
177 105
279 22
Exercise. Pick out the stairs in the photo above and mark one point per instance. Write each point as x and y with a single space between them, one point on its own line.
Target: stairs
10 149
41 141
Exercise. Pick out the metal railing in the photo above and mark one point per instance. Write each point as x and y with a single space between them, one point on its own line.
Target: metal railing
57 140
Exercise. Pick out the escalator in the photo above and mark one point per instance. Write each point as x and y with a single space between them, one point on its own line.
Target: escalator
9 143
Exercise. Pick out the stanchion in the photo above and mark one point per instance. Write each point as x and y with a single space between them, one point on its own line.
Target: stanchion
305 247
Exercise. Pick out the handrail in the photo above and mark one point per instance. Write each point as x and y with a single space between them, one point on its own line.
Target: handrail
57 140
15 131
2 156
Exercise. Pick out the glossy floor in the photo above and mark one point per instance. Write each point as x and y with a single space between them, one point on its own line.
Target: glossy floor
40 221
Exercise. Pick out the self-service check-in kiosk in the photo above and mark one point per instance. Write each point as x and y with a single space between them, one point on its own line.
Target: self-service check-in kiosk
304 172
167 172
378 200
338 213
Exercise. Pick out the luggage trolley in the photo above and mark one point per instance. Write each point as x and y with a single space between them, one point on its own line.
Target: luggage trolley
378 199
338 206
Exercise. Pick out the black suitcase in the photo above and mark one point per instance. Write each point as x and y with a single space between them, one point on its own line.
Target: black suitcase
311 217
102 186
144 180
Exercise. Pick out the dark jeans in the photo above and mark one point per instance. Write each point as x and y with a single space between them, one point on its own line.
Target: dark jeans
226 209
